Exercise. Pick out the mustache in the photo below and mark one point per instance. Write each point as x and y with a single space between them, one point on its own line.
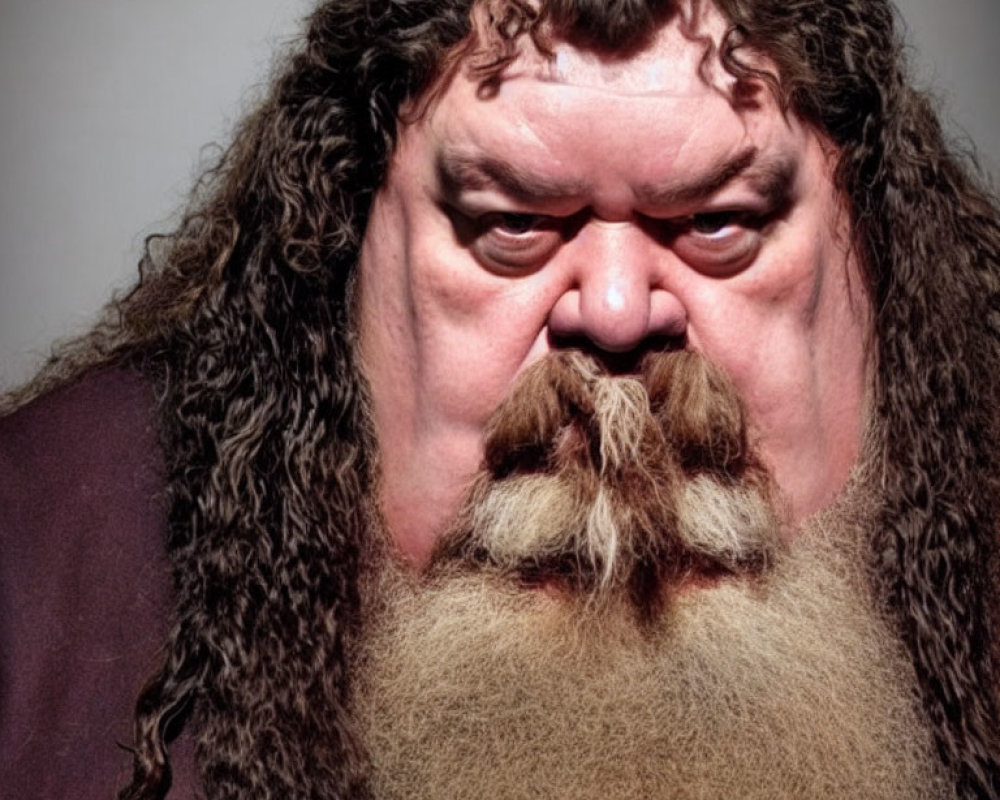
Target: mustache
611 485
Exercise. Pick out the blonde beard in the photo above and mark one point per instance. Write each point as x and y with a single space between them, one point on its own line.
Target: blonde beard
791 687
778 680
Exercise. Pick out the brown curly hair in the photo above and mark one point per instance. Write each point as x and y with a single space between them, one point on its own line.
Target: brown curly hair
243 317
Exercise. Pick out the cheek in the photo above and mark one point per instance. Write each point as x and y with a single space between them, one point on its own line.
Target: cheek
794 343
790 275
769 327
474 332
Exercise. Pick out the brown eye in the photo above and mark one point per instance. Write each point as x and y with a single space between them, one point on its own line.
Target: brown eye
712 224
516 241
515 224
719 242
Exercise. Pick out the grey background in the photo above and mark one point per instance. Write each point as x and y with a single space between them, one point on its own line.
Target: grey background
105 107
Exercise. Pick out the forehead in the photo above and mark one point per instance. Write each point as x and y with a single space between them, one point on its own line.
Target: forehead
678 59
599 122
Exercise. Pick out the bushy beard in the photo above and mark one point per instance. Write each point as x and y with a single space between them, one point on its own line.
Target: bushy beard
617 487
614 615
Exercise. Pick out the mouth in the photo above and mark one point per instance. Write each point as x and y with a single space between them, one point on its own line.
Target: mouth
646 603
608 490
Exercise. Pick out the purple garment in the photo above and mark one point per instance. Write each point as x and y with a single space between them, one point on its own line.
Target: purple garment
85 591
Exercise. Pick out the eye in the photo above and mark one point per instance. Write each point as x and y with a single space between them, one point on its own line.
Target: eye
713 223
719 242
512 240
513 223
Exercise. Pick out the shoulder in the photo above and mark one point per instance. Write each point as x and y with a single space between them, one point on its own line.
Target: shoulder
84 581
81 467
92 421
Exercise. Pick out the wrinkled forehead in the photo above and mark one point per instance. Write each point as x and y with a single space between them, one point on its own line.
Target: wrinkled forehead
680 58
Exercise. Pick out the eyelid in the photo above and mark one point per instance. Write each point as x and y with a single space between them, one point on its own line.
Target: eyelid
494 220
512 252
476 203
735 218
722 253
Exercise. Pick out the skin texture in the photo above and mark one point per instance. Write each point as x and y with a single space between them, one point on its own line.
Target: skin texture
651 209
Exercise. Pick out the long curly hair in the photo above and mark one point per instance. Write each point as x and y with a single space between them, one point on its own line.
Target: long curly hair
929 238
243 316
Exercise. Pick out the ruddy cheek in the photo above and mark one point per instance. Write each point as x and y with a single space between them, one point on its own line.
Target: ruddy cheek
787 278
451 285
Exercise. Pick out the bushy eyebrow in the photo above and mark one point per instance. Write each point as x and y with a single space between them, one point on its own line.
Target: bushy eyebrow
459 171
771 178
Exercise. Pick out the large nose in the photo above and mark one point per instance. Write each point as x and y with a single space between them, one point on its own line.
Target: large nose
618 296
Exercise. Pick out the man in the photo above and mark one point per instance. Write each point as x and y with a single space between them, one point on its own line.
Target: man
561 400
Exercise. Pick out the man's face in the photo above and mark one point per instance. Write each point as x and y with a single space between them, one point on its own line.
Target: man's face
617 206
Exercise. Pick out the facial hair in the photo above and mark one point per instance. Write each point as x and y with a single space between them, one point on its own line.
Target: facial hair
617 485
548 652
